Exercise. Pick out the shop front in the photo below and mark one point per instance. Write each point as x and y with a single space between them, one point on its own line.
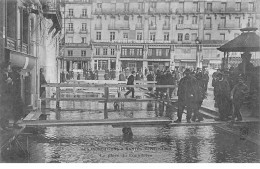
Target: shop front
158 65
132 65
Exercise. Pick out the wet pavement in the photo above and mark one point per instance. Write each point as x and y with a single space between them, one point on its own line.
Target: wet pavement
102 144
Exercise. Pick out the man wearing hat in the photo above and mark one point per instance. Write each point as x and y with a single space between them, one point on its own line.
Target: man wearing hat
189 96
238 95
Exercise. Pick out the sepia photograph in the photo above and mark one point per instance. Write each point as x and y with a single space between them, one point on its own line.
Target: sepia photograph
129 81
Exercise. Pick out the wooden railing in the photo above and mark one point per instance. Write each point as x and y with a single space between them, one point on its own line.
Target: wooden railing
105 99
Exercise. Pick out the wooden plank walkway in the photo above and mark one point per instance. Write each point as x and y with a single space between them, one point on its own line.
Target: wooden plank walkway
121 122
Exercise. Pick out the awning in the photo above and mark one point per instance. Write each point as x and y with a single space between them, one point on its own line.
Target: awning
246 42
21 60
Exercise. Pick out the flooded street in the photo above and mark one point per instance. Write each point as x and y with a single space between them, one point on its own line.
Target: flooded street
105 144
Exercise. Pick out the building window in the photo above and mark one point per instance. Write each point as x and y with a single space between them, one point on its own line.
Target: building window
209 6
84 12
98 35
250 6
194 20
83 40
84 27
99 5
125 36
208 23
223 6
193 36
208 36
158 52
70 12
83 53
238 6
195 7
97 51
222 36
153 5
132 52
70 26
181 6
180 21
112 51
152 36
250 22
112 36
167 52
166 36
187 36
70 39
237 22
139 36
104 51
124 52
223 22
140 5
180 35
70 52
139 52
126 6
150 51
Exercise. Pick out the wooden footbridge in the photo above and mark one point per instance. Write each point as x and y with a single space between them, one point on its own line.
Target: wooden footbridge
32 119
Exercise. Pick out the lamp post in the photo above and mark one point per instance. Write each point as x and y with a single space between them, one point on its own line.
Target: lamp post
198 42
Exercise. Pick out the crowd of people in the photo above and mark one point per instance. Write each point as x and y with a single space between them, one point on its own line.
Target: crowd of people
11 104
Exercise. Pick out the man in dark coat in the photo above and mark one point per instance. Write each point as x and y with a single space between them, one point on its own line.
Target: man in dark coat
189 96
238 95
5 96
18 105
130 81
222 97
150 77
42 81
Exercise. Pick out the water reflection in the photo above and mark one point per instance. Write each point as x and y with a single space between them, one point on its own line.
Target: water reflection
143 144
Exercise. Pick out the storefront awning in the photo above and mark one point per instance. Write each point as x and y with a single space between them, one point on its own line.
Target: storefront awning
21 60
76 58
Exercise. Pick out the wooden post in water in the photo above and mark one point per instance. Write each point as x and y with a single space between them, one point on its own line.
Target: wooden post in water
106 90
58 97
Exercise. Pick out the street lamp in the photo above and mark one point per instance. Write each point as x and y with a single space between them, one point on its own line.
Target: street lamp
198 42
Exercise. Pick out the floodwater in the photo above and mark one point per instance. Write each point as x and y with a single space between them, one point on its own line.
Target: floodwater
103 144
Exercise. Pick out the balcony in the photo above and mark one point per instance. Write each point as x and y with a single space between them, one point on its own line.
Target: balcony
51 10
166 27
83 16
83 31
25 48
70 31
229 26
207 27
118 27
152 27
11 43
187 26
139 26
98 27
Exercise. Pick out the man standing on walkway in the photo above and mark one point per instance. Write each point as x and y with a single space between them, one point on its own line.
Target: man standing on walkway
238 95
222 97
189 96
130 81
5 96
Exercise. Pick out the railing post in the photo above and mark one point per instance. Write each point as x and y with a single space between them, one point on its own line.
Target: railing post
106 90
58 97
